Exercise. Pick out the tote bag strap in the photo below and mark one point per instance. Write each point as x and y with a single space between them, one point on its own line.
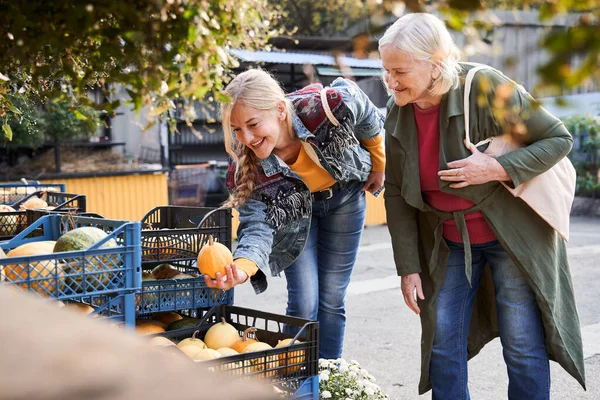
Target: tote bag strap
468 84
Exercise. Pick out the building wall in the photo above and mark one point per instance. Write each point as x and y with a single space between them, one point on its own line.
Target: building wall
127 197
128 127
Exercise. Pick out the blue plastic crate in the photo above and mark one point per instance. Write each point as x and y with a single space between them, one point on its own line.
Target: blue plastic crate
78 275
111 307
309 389
12 192
179 294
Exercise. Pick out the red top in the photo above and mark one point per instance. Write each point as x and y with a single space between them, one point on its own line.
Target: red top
428 128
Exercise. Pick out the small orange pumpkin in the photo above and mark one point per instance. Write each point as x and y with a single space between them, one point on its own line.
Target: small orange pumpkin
245 341
214 257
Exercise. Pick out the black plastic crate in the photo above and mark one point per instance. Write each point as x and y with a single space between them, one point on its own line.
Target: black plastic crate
179 294
288 367
176 234
14 222
58 200
11 192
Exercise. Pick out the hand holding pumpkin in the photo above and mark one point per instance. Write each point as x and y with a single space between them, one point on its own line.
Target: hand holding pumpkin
233 276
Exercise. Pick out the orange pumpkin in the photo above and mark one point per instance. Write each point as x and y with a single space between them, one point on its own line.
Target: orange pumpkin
244 342
160 247
292 358
148 327
267 366
40 273
213 258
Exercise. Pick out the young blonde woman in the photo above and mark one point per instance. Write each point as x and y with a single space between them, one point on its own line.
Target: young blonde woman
301 164
475 262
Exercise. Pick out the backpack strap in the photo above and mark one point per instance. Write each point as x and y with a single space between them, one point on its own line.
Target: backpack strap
326 108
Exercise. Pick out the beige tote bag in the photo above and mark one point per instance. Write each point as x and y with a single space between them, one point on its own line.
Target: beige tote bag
549 194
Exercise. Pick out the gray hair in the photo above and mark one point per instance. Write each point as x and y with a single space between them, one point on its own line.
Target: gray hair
424 37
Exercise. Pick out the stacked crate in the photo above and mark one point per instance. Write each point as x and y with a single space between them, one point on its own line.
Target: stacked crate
105 278
14 222
174 235
12 192
110 279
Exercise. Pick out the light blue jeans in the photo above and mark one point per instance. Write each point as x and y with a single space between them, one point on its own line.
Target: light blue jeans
318 279
519 322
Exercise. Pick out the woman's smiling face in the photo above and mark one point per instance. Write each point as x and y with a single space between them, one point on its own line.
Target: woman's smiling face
409 79
260 130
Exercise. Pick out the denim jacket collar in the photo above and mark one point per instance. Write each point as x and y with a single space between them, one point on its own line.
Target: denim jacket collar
273 165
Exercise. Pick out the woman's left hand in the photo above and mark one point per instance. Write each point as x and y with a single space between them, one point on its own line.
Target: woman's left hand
476 169
374 182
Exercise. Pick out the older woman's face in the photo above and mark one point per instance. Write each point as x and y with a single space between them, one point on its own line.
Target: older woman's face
409 79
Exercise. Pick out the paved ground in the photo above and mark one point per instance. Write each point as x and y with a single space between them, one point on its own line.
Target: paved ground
384 336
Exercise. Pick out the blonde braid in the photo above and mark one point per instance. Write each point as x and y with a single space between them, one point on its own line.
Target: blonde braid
246 171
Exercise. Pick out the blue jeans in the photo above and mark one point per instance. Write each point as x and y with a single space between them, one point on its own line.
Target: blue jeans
318 279
519 322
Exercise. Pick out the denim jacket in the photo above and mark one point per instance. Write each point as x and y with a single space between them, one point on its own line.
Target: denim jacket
274 222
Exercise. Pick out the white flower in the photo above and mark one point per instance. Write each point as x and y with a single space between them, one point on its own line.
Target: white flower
339 379
324 376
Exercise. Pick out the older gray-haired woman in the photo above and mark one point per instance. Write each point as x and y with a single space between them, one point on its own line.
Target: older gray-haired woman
444 201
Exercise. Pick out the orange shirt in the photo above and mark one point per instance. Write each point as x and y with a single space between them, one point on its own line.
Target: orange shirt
317 178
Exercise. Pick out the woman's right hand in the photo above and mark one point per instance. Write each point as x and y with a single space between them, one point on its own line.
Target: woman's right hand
409 284
232 277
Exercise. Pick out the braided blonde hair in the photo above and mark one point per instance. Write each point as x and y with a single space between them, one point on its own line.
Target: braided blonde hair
257 89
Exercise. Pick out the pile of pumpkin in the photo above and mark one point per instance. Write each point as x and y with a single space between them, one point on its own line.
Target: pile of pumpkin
10 195
42 274
221 340
9 223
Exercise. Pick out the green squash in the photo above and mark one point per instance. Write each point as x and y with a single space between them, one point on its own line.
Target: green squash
95 266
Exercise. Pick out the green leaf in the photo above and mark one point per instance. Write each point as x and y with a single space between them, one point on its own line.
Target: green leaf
12 108
8 134
79 115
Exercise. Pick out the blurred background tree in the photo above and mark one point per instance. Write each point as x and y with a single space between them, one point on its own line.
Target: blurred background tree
333 17
178 49
58 121
158 50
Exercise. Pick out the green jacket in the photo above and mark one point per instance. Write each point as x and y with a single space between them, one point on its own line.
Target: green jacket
535 247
